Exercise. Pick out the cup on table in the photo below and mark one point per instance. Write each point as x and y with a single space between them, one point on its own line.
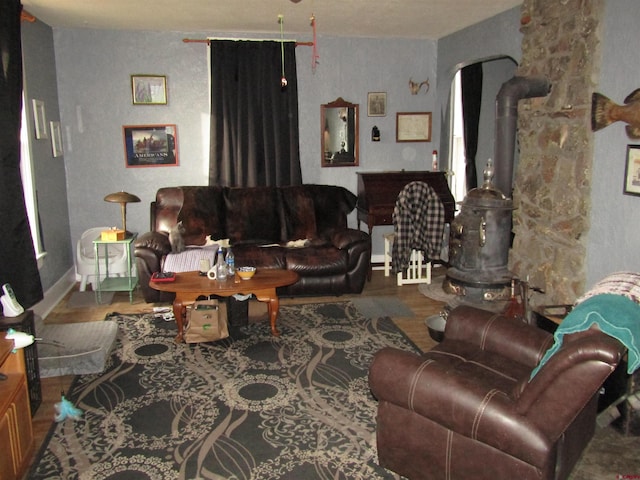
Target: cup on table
205 266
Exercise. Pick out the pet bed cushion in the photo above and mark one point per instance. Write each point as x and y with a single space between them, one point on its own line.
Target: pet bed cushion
74 348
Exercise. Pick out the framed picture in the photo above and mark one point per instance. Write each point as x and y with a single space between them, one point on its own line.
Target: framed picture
377 104
632 171
150 145
40 119
413 127
149 89
56 139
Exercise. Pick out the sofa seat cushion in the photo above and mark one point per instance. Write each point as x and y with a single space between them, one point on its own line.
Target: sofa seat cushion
322 261
253 215
259 256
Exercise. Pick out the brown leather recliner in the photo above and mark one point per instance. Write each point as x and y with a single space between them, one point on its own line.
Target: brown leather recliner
468 409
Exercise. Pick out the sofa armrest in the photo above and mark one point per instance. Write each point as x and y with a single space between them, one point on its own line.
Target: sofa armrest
493 332
344 238
155 241
456 401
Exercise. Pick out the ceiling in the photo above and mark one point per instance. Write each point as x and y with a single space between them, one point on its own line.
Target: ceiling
429 19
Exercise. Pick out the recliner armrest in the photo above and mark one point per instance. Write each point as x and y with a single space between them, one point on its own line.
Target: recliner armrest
493 332
156 241
342 239
456 401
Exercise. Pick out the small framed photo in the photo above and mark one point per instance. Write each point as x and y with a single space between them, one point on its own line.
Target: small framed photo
377 104
40 119
149 89
56 139
632 171
413 127
150 145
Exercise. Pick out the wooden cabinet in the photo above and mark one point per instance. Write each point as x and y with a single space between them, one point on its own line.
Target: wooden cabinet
16 433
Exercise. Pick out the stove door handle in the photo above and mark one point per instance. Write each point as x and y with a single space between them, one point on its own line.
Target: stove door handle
482 231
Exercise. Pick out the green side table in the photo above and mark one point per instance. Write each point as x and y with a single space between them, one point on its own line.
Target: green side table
114 284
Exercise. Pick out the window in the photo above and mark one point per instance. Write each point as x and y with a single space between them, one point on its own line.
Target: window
457 182
29 187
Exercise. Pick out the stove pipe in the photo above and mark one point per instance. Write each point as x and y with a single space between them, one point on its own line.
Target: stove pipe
507 99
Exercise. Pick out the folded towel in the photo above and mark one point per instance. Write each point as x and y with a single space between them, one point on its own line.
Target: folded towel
616 315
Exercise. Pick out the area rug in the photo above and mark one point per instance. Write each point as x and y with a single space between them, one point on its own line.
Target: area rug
249 407
88 299
376 307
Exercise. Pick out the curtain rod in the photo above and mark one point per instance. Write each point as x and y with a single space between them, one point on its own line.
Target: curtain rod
209 40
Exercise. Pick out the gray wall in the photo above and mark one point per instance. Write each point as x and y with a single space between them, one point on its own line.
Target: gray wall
612 244
49 172
94 68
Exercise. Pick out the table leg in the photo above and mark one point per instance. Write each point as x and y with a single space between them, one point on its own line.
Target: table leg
273 307
179 310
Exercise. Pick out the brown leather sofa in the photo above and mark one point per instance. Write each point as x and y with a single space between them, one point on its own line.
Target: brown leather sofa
335 261
466 408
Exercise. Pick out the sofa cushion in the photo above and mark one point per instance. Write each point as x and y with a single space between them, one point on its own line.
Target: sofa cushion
332 205
260 257
299 213
253 215
202 214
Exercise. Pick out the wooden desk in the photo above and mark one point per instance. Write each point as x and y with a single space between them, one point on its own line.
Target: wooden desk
378 192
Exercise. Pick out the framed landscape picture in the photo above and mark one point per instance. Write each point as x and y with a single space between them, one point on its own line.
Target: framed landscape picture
150 145
149 89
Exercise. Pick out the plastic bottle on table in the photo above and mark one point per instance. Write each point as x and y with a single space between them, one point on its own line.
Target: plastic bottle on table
231 262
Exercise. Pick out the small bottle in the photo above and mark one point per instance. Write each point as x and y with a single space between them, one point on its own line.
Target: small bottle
231 262
221 267
434 161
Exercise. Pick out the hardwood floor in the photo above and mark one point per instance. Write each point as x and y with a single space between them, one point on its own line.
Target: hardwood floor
414 327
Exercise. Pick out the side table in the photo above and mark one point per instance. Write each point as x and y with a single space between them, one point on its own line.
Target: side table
114 284
25 323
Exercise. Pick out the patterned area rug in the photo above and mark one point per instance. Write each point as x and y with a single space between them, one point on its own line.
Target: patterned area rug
251 407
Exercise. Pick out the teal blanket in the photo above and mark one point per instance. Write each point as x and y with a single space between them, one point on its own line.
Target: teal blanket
615 315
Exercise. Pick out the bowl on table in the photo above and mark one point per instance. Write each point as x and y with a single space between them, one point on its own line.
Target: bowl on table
245 273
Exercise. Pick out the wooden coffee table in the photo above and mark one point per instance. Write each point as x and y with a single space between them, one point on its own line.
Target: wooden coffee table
188 286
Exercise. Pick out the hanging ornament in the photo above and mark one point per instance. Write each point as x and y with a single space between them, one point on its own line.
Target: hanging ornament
283 79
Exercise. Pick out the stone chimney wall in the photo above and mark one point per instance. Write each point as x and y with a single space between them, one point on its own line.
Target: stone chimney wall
561 40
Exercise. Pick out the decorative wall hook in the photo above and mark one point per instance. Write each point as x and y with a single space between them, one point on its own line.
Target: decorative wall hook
415 87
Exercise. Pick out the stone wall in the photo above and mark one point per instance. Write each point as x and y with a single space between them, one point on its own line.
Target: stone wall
553 177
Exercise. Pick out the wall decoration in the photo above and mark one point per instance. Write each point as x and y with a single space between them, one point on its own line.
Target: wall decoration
40 119
604 112
376 104
413 127
149 89
56 139
632 171
150 145
415 87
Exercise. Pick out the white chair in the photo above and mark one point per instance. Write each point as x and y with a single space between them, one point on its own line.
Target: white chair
86 261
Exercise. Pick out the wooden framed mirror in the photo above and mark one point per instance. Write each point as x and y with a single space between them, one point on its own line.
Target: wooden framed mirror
339 134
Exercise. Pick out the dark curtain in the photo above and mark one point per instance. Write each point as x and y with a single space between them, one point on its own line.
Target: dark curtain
18 264
254 121
471 85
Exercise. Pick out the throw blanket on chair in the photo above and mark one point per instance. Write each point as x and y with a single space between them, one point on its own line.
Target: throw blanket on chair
617 314
418 221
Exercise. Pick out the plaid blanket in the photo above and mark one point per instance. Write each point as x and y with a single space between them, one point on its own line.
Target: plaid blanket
418 222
